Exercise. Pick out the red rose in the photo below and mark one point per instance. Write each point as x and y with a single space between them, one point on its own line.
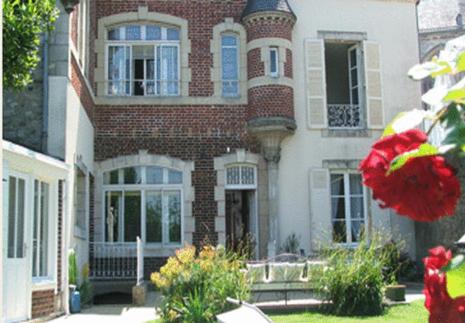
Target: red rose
441 306
424 189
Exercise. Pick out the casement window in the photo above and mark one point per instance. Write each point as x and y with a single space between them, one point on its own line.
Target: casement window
241 177
274 62
145 202
230 65
347 207
143 60
16 217
344 89
41 235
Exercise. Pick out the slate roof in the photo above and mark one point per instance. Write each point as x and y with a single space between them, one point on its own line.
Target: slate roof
254 6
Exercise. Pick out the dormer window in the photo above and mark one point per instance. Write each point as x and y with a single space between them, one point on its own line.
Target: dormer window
143 60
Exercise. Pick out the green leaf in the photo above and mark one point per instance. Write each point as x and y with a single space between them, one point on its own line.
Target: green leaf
460 63
422 151
455 274
455 95
443 67
454 126
405 121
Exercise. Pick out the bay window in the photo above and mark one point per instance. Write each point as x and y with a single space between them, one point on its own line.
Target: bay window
143 201
347 207
143 60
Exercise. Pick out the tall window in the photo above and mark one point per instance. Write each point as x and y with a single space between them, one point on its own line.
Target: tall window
343 84
40 234
347 207
16 217
143 60
274 62
80 200
143 201
230 65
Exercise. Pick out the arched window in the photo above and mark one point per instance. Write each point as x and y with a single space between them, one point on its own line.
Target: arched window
230 64
144 201
143 60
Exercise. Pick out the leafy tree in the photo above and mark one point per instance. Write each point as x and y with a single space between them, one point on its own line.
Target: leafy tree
24 22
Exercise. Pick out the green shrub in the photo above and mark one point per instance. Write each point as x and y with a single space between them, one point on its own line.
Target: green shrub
353 283
195 288
86 288
72 268
291 244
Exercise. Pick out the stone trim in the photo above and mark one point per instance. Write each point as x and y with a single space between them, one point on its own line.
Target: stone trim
142 16
146 159
229 26
340 36
268 15
268 80
241 156
267 42
343 164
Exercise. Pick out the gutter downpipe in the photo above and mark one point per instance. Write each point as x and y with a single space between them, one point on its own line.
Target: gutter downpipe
45 96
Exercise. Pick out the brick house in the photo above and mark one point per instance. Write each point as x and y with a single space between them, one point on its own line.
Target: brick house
192 121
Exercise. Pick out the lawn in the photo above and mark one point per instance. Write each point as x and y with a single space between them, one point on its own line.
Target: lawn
412 313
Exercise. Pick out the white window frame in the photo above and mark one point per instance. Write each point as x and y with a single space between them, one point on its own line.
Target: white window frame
143 188
348 219
131 43
52 234
275 51
241 186
81 232
230 34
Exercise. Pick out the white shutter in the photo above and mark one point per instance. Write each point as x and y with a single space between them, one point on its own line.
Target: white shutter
320 207
374 87
316 83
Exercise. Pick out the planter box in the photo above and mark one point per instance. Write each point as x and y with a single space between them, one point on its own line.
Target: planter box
395 293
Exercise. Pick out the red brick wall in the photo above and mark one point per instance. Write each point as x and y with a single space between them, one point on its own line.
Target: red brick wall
60 235
82 91
202 16
271 101
197 133
43 303
255 66
288 66
269 28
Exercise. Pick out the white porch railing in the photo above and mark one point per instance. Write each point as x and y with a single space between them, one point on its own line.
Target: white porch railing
113 261
344 116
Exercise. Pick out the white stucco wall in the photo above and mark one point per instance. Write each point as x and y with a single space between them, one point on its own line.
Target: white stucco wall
393 25
79 151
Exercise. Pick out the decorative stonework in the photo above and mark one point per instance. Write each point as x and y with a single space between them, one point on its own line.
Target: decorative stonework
146 159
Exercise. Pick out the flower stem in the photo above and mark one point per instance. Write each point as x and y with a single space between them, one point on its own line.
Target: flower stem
438 117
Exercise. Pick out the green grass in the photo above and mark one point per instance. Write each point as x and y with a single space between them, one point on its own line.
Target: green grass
411 313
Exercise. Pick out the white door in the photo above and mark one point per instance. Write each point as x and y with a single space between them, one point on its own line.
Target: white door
16 293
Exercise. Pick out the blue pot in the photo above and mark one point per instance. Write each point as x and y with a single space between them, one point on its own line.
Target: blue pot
75 302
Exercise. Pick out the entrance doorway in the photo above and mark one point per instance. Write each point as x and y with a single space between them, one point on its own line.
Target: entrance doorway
241 221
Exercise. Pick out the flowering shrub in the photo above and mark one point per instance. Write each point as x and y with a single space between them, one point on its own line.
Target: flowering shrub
195 287
442 307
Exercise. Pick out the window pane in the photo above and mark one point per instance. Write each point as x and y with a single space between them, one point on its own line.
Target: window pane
80 201
228 40
154 217
153 32
111 177
232 176
356 208
20 224
35 237
132 175
353 58
174 216
172 34
133 33
132 211
154 175
43 250
113 202
169 70
355 96
338 208
118 70
339 232
273 61
114 34
337 184
355 184
358 228
354 76
174 177
247 175
11 217
229 62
